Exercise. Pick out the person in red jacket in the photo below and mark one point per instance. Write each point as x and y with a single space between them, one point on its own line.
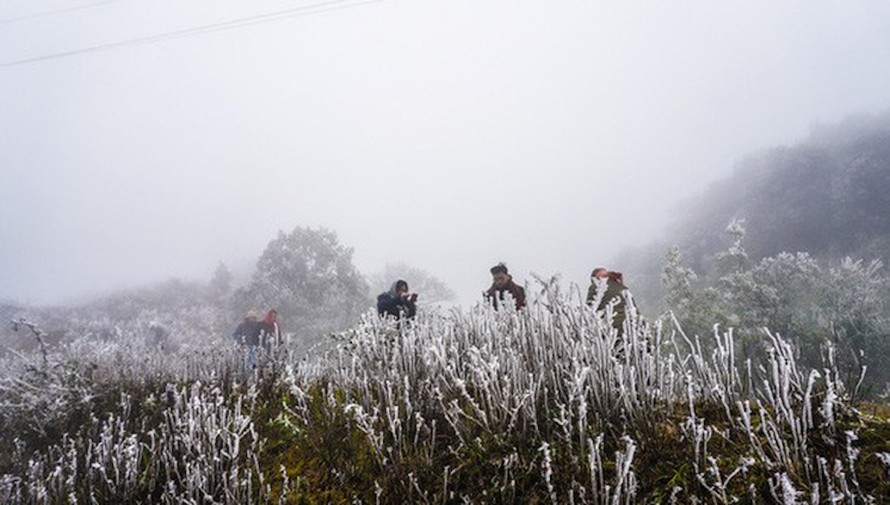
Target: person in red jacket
270 332
502 282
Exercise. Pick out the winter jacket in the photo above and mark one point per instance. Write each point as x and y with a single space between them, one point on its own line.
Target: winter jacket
391 304
495 294
248 333
270 333
616 295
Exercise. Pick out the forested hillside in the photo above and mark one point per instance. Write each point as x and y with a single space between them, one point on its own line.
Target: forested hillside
828 196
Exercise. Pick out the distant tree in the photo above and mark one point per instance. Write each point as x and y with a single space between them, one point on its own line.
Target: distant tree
695 306
430 288
309 278
221 283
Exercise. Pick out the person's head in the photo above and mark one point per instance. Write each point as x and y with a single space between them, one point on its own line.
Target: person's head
616 277
272 315
500 276
251 315
599 274
401 287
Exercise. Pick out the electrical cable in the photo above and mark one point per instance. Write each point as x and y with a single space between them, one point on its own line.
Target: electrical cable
54 12
304 10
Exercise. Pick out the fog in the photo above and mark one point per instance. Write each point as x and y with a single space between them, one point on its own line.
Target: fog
449 135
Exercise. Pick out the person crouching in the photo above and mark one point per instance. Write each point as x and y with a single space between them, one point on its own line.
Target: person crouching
397 302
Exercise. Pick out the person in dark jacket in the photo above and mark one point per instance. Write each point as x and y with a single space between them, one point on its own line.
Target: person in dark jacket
248 332
502 283
270 331
608 289
159 335
397 302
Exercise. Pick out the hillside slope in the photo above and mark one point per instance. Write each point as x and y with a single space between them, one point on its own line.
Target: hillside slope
828 195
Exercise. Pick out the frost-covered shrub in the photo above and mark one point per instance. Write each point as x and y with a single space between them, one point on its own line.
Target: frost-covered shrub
545 404
61 389
122 420
205 449
804 300
553 404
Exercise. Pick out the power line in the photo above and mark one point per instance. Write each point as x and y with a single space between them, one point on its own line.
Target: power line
54 12
305 10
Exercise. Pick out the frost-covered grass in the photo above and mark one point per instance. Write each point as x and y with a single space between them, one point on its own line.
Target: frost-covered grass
544 405
121 421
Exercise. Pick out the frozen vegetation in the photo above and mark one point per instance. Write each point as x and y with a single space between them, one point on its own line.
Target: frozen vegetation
548 404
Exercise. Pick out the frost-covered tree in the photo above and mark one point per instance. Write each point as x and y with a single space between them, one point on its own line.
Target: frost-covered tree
794 295
697 307
221 283
309 278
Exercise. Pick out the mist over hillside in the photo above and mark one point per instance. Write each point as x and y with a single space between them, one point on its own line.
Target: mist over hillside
348 252
827 196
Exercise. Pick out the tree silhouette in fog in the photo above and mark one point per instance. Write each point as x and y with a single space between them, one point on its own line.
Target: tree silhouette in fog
308 276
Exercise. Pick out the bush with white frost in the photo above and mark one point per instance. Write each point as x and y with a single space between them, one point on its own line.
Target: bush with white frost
796 296
547 404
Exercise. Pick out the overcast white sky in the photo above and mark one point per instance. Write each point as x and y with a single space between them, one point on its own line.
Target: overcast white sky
446 134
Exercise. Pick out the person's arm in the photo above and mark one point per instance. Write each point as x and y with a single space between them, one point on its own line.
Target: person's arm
410 309
520 297
387 304
491 296
603 302
591 294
